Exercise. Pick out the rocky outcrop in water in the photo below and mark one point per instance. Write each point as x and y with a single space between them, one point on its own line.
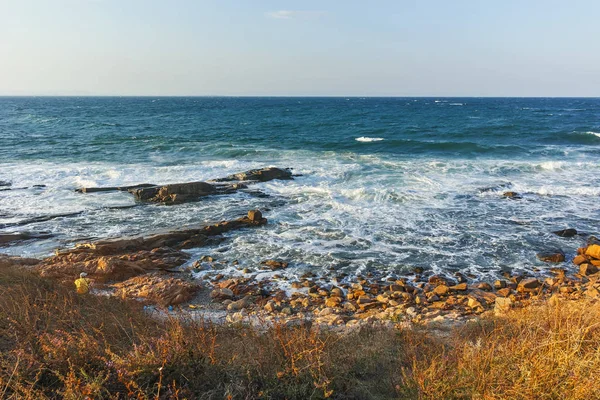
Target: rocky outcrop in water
261 175
178 193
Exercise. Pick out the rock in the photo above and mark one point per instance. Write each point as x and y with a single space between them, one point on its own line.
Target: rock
568 233
238 305
512 195
5 183
474 303
502 305
441 290
437 280
333 302
461 287
262 175
270 307
221 294
500 284
552 257
115 188
275 265
484 286
587 269
6 238
364 300
592 292
165 291
593 251
175 193
528 285
255 215
504 292
580 259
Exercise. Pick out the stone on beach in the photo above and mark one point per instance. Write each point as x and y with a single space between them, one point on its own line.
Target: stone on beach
165 291
570 232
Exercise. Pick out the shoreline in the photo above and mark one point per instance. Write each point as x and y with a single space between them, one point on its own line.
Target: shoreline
152 270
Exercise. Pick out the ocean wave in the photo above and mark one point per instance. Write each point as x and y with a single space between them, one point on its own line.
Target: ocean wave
369 139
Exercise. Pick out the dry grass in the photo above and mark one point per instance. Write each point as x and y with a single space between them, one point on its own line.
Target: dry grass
55 344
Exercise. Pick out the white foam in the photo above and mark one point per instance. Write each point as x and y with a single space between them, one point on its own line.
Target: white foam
368 139
594 133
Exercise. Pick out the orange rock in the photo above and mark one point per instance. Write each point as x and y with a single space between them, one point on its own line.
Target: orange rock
580 259
593 251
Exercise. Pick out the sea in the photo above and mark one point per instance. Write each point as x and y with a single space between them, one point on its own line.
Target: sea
383 185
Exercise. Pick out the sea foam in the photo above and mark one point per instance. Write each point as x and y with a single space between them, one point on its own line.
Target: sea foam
369 139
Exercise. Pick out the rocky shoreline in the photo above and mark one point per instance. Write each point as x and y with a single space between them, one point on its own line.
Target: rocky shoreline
152 269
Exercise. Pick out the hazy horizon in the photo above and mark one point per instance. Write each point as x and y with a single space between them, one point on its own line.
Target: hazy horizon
429 48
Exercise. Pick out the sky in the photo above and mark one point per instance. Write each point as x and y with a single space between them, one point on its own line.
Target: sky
300 48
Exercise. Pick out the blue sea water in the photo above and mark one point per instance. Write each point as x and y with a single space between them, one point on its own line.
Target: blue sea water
387 183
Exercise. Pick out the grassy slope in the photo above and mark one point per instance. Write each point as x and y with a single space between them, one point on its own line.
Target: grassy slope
55 344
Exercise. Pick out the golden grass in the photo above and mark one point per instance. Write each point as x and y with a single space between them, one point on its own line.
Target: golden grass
56 344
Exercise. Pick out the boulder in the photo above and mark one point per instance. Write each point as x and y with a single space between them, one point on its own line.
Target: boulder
461 287
528 285
580 259
512 195
587 269
116 267
175 193
441 290
162 290
261 175
221 294
551 257
568 233
484 286
593 251
275 264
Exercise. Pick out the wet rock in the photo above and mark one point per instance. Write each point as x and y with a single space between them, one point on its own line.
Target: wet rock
115 188
528 285
8 238
504 292
567 233
551 257
587 269
255 215
512 195
158 289
437 280
275 264
174 193
261 175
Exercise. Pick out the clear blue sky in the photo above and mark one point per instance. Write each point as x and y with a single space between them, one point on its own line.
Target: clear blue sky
254 47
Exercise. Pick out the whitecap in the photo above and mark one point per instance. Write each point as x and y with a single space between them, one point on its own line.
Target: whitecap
594 133
369 139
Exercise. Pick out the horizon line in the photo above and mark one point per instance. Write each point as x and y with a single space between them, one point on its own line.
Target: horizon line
298 96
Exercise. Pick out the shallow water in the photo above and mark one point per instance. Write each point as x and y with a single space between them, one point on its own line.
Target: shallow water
386 185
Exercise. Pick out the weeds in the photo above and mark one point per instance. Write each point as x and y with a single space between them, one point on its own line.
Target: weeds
56 344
